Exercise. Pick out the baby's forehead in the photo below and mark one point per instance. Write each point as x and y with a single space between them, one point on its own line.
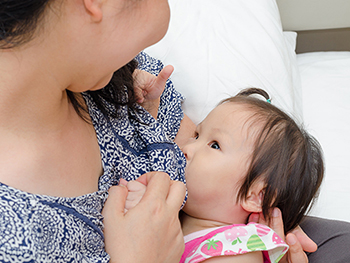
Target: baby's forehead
229 111
234 116
226 115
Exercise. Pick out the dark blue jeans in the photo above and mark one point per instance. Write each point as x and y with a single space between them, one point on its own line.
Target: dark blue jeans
332 238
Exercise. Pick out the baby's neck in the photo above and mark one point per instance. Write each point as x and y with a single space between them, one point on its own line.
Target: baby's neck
191 224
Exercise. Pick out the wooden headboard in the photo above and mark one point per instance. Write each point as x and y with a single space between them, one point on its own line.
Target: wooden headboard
322 25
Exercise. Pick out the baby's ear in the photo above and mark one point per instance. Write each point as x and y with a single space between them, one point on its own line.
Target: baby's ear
253 202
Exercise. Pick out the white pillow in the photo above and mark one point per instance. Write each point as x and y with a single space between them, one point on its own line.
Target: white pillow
221 47
291 39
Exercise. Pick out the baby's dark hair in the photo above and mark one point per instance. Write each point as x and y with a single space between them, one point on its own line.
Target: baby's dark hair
285 157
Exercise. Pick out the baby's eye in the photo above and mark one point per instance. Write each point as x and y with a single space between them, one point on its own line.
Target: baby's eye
196 135
215 145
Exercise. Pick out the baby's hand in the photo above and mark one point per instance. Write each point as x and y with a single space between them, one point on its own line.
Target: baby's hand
135 192
148 88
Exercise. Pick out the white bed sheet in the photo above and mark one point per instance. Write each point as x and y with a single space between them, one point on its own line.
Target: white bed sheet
325 81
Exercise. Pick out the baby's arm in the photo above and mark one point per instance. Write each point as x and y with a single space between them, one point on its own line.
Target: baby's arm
251 257
148 88
136 190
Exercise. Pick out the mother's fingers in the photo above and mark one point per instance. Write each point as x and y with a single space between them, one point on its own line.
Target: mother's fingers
296 253
254 217
158 184
276 222
176 194
307 243
297 240
114 205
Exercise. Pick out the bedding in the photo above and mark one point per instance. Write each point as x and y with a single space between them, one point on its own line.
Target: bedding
220 47
325 79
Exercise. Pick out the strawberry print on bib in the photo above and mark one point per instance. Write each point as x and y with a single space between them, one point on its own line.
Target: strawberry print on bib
235 240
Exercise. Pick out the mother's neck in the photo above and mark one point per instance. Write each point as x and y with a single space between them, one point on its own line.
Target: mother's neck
32 85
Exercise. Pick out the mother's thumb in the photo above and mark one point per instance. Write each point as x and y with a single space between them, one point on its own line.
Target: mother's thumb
114 206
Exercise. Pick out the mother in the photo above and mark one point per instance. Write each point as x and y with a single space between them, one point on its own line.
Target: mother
53 183
57 124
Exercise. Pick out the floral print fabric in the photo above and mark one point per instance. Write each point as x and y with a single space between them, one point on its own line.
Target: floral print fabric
38 228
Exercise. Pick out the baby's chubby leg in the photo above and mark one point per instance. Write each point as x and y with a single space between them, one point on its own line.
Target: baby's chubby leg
136 190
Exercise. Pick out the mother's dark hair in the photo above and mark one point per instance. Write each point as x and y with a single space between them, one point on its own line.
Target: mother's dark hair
285 157
19 20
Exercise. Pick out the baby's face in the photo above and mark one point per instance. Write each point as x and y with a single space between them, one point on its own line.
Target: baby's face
217 160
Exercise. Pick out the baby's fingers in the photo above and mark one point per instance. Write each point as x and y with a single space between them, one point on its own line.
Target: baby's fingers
132 200
159 83
164 74
136 186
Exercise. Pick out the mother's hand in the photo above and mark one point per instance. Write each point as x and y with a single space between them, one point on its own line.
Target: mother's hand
151 231
297 240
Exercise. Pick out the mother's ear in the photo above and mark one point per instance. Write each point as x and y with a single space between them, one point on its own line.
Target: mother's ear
94 8
253 202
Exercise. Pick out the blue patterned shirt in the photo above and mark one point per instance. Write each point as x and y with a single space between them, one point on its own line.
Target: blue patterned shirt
39 228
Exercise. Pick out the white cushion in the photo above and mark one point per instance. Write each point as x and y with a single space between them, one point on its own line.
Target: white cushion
221 47
325 78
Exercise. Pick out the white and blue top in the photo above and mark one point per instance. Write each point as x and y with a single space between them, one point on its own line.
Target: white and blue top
39 228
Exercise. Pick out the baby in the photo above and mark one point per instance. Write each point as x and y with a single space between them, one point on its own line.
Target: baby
247 156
